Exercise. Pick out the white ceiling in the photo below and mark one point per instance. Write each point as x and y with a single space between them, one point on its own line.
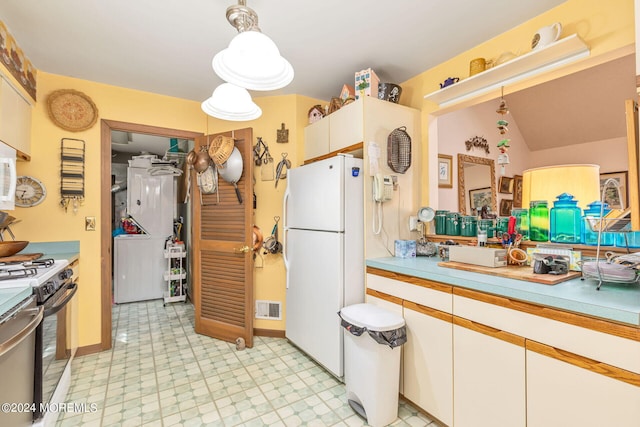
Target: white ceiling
166 46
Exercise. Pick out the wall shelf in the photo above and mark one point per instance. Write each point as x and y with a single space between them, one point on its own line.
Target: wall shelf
562 52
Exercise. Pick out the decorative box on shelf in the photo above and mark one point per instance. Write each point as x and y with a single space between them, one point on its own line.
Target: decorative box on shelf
366 83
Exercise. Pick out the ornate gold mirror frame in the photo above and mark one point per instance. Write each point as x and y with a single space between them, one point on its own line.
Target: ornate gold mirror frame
462 191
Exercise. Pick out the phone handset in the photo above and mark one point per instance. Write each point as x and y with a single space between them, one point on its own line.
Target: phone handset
382 192
382 188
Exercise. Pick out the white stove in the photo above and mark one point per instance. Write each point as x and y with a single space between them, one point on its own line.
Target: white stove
45 276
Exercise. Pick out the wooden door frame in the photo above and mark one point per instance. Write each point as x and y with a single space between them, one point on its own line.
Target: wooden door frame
106 252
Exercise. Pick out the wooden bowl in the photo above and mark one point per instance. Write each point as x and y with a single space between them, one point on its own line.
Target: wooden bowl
12 247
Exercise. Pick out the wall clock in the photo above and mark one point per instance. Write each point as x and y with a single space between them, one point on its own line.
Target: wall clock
29 191
71 110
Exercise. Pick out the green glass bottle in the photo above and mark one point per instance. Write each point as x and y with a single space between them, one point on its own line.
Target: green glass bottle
538 221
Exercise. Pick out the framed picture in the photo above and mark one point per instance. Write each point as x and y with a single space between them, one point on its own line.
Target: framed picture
517 191
505 185
480 197
616 199
505 207
445 166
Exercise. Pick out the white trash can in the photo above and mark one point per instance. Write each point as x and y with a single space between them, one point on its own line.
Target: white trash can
373 337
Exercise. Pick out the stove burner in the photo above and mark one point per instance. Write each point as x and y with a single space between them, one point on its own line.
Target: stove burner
36 263
17 273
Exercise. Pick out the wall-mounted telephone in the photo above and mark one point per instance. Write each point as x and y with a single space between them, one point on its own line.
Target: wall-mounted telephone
382 187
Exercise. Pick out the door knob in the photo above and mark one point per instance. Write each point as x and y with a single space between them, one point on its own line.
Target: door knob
243 249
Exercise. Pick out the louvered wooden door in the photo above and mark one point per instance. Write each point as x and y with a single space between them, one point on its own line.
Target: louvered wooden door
222 259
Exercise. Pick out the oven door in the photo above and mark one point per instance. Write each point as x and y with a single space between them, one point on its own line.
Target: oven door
52 344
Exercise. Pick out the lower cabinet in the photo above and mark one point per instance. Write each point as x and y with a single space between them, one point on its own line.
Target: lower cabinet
489 376
473 361
562 394
428 360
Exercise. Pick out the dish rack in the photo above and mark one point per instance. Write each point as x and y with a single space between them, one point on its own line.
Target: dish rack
615 269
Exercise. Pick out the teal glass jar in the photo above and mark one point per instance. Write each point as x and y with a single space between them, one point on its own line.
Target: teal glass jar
441 219
565 220
468 226
502 225
487 225
589 233
539 221
452 224
522 221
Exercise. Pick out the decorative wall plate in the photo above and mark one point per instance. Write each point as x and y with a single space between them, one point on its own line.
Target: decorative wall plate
71 110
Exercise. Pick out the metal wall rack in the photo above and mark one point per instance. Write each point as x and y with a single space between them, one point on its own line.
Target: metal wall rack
72 155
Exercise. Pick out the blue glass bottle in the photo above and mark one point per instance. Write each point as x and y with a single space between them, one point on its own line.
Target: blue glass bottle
565 220
589 234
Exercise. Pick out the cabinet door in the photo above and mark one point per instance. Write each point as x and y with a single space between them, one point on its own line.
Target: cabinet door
347 126
15 118
316 139
488 376
428 360
563 394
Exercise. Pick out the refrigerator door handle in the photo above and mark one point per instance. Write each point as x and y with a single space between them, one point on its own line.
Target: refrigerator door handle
285 230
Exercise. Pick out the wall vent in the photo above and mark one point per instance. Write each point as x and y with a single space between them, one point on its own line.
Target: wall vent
271 310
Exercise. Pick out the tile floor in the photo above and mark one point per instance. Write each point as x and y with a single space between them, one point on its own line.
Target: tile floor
161 373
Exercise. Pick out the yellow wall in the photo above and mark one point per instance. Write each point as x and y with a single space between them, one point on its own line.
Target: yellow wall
606 27
49 222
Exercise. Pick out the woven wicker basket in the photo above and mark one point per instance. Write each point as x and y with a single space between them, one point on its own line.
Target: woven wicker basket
220 149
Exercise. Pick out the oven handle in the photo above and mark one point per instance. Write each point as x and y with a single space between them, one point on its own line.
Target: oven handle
37 313
70 289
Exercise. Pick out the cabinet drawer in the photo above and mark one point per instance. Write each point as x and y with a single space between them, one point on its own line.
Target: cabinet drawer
614 350
420 291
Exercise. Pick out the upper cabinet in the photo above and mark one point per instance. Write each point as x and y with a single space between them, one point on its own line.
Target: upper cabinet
15 119
348 128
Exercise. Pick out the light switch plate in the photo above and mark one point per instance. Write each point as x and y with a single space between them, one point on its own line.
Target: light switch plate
90 223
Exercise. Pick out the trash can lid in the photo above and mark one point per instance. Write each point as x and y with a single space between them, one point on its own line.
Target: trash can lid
372 317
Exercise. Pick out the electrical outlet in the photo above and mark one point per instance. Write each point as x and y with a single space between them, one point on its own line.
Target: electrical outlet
413 223
90 223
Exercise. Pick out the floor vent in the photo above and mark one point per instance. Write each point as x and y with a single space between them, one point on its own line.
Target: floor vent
268 310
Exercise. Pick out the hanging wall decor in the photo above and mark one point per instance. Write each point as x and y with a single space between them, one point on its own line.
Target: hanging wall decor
503 128
477 142
282 134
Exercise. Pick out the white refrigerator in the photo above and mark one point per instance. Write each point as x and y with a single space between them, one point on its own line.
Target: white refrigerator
139 263
323 254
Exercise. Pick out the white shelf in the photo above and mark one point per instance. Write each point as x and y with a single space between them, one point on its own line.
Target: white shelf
562 52
175 276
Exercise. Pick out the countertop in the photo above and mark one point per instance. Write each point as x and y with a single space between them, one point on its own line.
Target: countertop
616 302
69 250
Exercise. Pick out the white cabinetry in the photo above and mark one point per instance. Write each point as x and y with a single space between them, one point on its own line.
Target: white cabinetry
427 374
563 394
316 139
368 119
476 359
15 118
428 361
489 376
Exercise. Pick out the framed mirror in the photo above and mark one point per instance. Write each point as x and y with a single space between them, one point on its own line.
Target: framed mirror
476 184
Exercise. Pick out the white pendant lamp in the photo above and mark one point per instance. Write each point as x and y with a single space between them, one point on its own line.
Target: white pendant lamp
231 102
252 60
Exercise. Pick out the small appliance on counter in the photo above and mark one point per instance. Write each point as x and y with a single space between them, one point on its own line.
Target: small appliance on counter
477 255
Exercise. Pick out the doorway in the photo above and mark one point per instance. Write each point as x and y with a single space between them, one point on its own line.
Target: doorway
106 249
